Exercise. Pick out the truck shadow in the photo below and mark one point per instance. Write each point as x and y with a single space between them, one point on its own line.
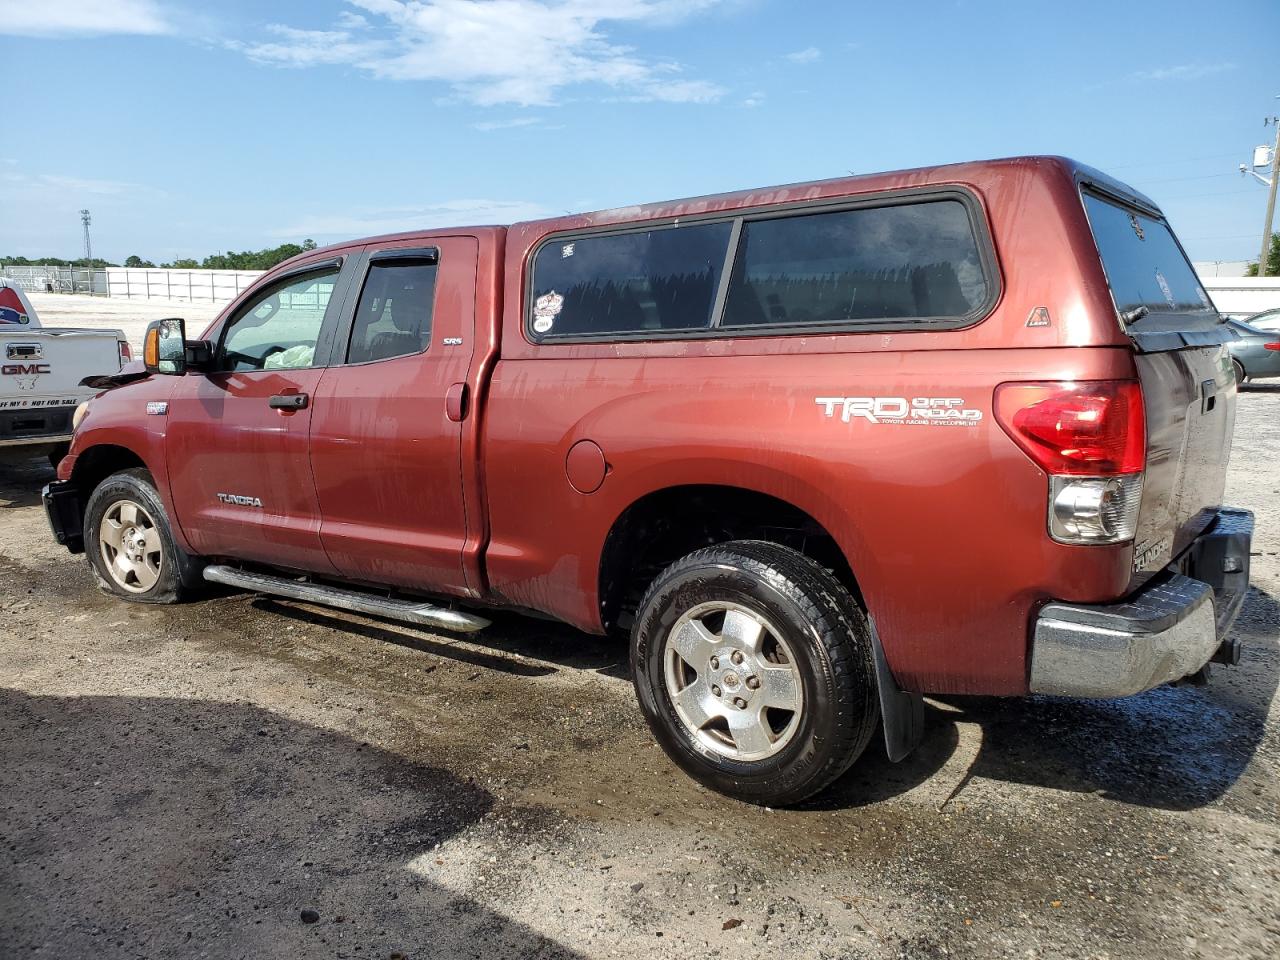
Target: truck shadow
542 647
1172 748
167 827
21 480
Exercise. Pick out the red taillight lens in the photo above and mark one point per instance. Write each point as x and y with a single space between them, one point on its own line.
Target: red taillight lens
126 352
1271 346
1087 428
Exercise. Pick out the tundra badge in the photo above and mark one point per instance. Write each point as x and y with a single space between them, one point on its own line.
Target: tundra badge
239 501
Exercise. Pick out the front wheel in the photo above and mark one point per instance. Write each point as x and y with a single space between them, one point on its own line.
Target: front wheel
129 543
755 670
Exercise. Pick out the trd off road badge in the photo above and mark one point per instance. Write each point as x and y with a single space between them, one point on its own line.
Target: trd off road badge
913 412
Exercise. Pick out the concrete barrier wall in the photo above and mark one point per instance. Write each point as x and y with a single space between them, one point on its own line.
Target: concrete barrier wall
1240 296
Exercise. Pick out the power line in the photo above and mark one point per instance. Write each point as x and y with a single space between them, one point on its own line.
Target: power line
1205 176
1165 163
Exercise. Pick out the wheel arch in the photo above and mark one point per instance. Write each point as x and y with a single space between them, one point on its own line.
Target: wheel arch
663 524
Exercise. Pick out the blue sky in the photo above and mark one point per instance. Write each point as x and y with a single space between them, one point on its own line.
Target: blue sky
188 130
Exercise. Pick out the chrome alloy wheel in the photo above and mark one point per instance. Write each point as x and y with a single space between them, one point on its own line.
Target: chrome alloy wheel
130 545
733 680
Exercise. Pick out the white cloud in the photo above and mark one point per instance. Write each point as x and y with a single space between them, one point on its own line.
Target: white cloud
82 187
807 55
492 52
452 213
309 48
1184 71
754 100
59 18
489 125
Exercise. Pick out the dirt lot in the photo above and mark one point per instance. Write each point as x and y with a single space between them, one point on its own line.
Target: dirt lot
191 781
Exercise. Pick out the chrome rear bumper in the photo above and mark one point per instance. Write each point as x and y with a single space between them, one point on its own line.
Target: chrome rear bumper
1163 633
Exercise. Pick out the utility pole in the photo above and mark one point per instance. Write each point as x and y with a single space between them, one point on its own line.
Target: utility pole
1271 198
88 248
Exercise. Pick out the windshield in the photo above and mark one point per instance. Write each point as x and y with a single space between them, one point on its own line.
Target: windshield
1145 267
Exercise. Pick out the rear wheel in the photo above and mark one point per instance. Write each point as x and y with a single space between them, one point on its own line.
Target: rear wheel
129 542
754 668
1239 369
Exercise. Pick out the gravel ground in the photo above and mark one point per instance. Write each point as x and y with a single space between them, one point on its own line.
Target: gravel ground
240 777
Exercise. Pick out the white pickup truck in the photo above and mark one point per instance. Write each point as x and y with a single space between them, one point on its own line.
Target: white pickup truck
40 374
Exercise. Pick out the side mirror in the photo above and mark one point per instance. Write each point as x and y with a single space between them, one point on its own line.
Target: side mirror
164 348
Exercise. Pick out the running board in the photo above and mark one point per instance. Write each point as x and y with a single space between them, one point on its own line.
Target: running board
409 611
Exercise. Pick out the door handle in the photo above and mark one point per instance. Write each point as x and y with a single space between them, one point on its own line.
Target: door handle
288 401
455 402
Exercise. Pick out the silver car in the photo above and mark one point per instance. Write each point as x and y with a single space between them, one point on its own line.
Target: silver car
1266 320
1257 351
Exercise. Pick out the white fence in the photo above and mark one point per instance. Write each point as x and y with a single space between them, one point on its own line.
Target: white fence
215 286
56 279
1240 296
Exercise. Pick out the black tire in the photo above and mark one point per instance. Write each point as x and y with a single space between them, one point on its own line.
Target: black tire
823 628
1239 369
174 569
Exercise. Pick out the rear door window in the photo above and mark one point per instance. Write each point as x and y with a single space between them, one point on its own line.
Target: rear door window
639 282
1152 283
393 317
916 261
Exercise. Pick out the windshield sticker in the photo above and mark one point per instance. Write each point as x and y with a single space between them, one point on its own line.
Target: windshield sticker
566 250
1137 227
545 310
916 412
1164 288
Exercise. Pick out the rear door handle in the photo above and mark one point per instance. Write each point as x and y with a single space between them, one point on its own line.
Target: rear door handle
289 401
455 402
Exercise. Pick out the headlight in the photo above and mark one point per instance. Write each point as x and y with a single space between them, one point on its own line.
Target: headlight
79 415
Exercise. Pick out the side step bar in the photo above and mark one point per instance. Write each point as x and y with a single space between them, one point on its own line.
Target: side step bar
409 611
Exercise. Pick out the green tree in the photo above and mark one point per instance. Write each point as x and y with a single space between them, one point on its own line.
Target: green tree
1273 260
182 263
137 261
256 259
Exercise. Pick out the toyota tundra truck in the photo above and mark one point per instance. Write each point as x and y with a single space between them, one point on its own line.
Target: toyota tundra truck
820 449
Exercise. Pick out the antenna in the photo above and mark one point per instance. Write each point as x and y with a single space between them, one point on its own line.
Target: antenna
88 247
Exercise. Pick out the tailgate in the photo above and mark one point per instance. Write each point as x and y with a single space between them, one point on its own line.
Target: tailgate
1188 386
49 364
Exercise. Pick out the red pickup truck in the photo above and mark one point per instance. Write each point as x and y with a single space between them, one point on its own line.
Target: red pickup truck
821 448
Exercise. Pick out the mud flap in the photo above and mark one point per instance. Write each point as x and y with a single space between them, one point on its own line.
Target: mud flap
901 713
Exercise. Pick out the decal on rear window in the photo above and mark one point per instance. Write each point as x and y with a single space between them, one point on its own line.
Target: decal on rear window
545 310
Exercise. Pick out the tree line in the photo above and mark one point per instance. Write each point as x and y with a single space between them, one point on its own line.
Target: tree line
231 260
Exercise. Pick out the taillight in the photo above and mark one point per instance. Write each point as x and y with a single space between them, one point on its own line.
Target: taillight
126 352
1090 437
1271 346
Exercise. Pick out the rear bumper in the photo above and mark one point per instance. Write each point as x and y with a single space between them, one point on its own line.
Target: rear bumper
34 441
66 519
1163 633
